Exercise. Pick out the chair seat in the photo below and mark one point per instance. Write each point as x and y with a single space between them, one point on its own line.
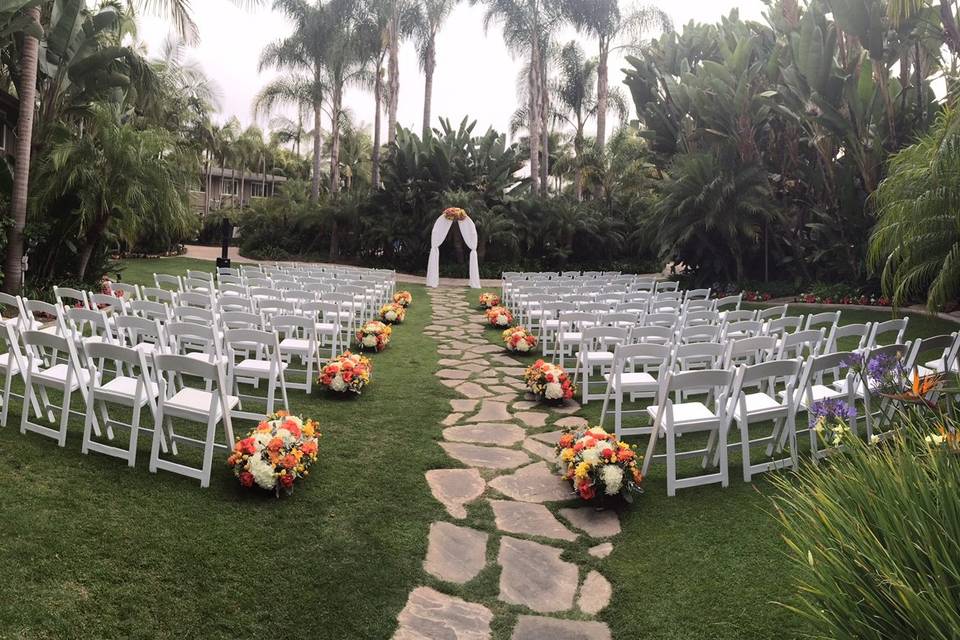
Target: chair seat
125 387
570 336
57 376
327 327
843 387
596 357
937 366
685 412
196 403
8 364
295 345
550 324
255 368
146 347
206 357
757 405
630 380
819 392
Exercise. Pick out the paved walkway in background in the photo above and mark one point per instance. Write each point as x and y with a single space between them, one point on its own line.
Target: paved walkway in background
502 455
201 252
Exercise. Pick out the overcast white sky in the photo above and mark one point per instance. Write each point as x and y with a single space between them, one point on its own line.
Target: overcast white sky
475 75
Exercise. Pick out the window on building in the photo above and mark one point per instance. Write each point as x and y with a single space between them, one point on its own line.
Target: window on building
3 136
257 190
230 187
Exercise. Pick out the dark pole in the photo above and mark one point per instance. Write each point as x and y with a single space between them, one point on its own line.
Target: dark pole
226 230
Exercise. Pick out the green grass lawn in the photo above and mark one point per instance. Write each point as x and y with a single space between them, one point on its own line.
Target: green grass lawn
709 563
92 549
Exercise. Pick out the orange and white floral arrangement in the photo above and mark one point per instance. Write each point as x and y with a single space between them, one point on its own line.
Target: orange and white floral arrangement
454 214
373 336
499 317
548 382
489 300
393 313
277 453
347 373
598 465
519 340
403 298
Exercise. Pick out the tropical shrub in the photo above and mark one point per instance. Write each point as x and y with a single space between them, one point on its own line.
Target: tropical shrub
916 243
874 537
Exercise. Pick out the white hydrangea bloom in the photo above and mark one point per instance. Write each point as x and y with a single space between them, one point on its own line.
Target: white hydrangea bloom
612 476
337 384
590 455
262 472
523 346
370 341
553 391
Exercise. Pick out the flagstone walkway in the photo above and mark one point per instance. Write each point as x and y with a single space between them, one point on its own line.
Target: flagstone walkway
501 450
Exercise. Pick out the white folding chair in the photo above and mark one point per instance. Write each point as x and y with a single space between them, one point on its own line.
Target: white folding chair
801 344
766 406
738 315
815 387
897 327
70 297
254 356
749 351
298 339
331 326
210 407
47 374
133 389
828 320
772 313
631 376
150 310
12 363
860 332
675 418
596 353
157 294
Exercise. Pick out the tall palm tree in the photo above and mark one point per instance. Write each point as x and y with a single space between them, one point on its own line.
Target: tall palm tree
179 13
304 93
605 21
27 92
404 15
247 148
302 55
527 27
375 29
434 14
576 103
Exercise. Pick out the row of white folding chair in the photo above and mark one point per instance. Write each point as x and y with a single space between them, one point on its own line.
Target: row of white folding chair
135 387
599 346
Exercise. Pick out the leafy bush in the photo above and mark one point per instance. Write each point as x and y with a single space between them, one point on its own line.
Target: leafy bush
874 537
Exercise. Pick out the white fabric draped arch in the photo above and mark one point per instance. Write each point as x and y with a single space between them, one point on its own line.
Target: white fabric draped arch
440 230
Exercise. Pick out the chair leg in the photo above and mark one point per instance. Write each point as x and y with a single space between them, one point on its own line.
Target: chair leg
87 429
671 463
65 416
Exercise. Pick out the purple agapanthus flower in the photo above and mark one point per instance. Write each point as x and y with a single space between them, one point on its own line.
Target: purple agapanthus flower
832 410
880 367
853 361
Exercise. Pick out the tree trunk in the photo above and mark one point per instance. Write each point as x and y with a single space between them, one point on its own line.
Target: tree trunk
603 92
206 190
243 183
578 167
27 90
377 103
317 153
544 129
533 115
950 26
90 242
882 74
429 66
334 242
393 94
335 140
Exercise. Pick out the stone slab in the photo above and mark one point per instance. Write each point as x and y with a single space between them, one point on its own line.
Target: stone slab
539 449
498 433
602 550
455 554
532 419
533 575
464 406
492 411
594 594
534 483
529 519
540 628
572 422
454 488
596 524
431 615
487 457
